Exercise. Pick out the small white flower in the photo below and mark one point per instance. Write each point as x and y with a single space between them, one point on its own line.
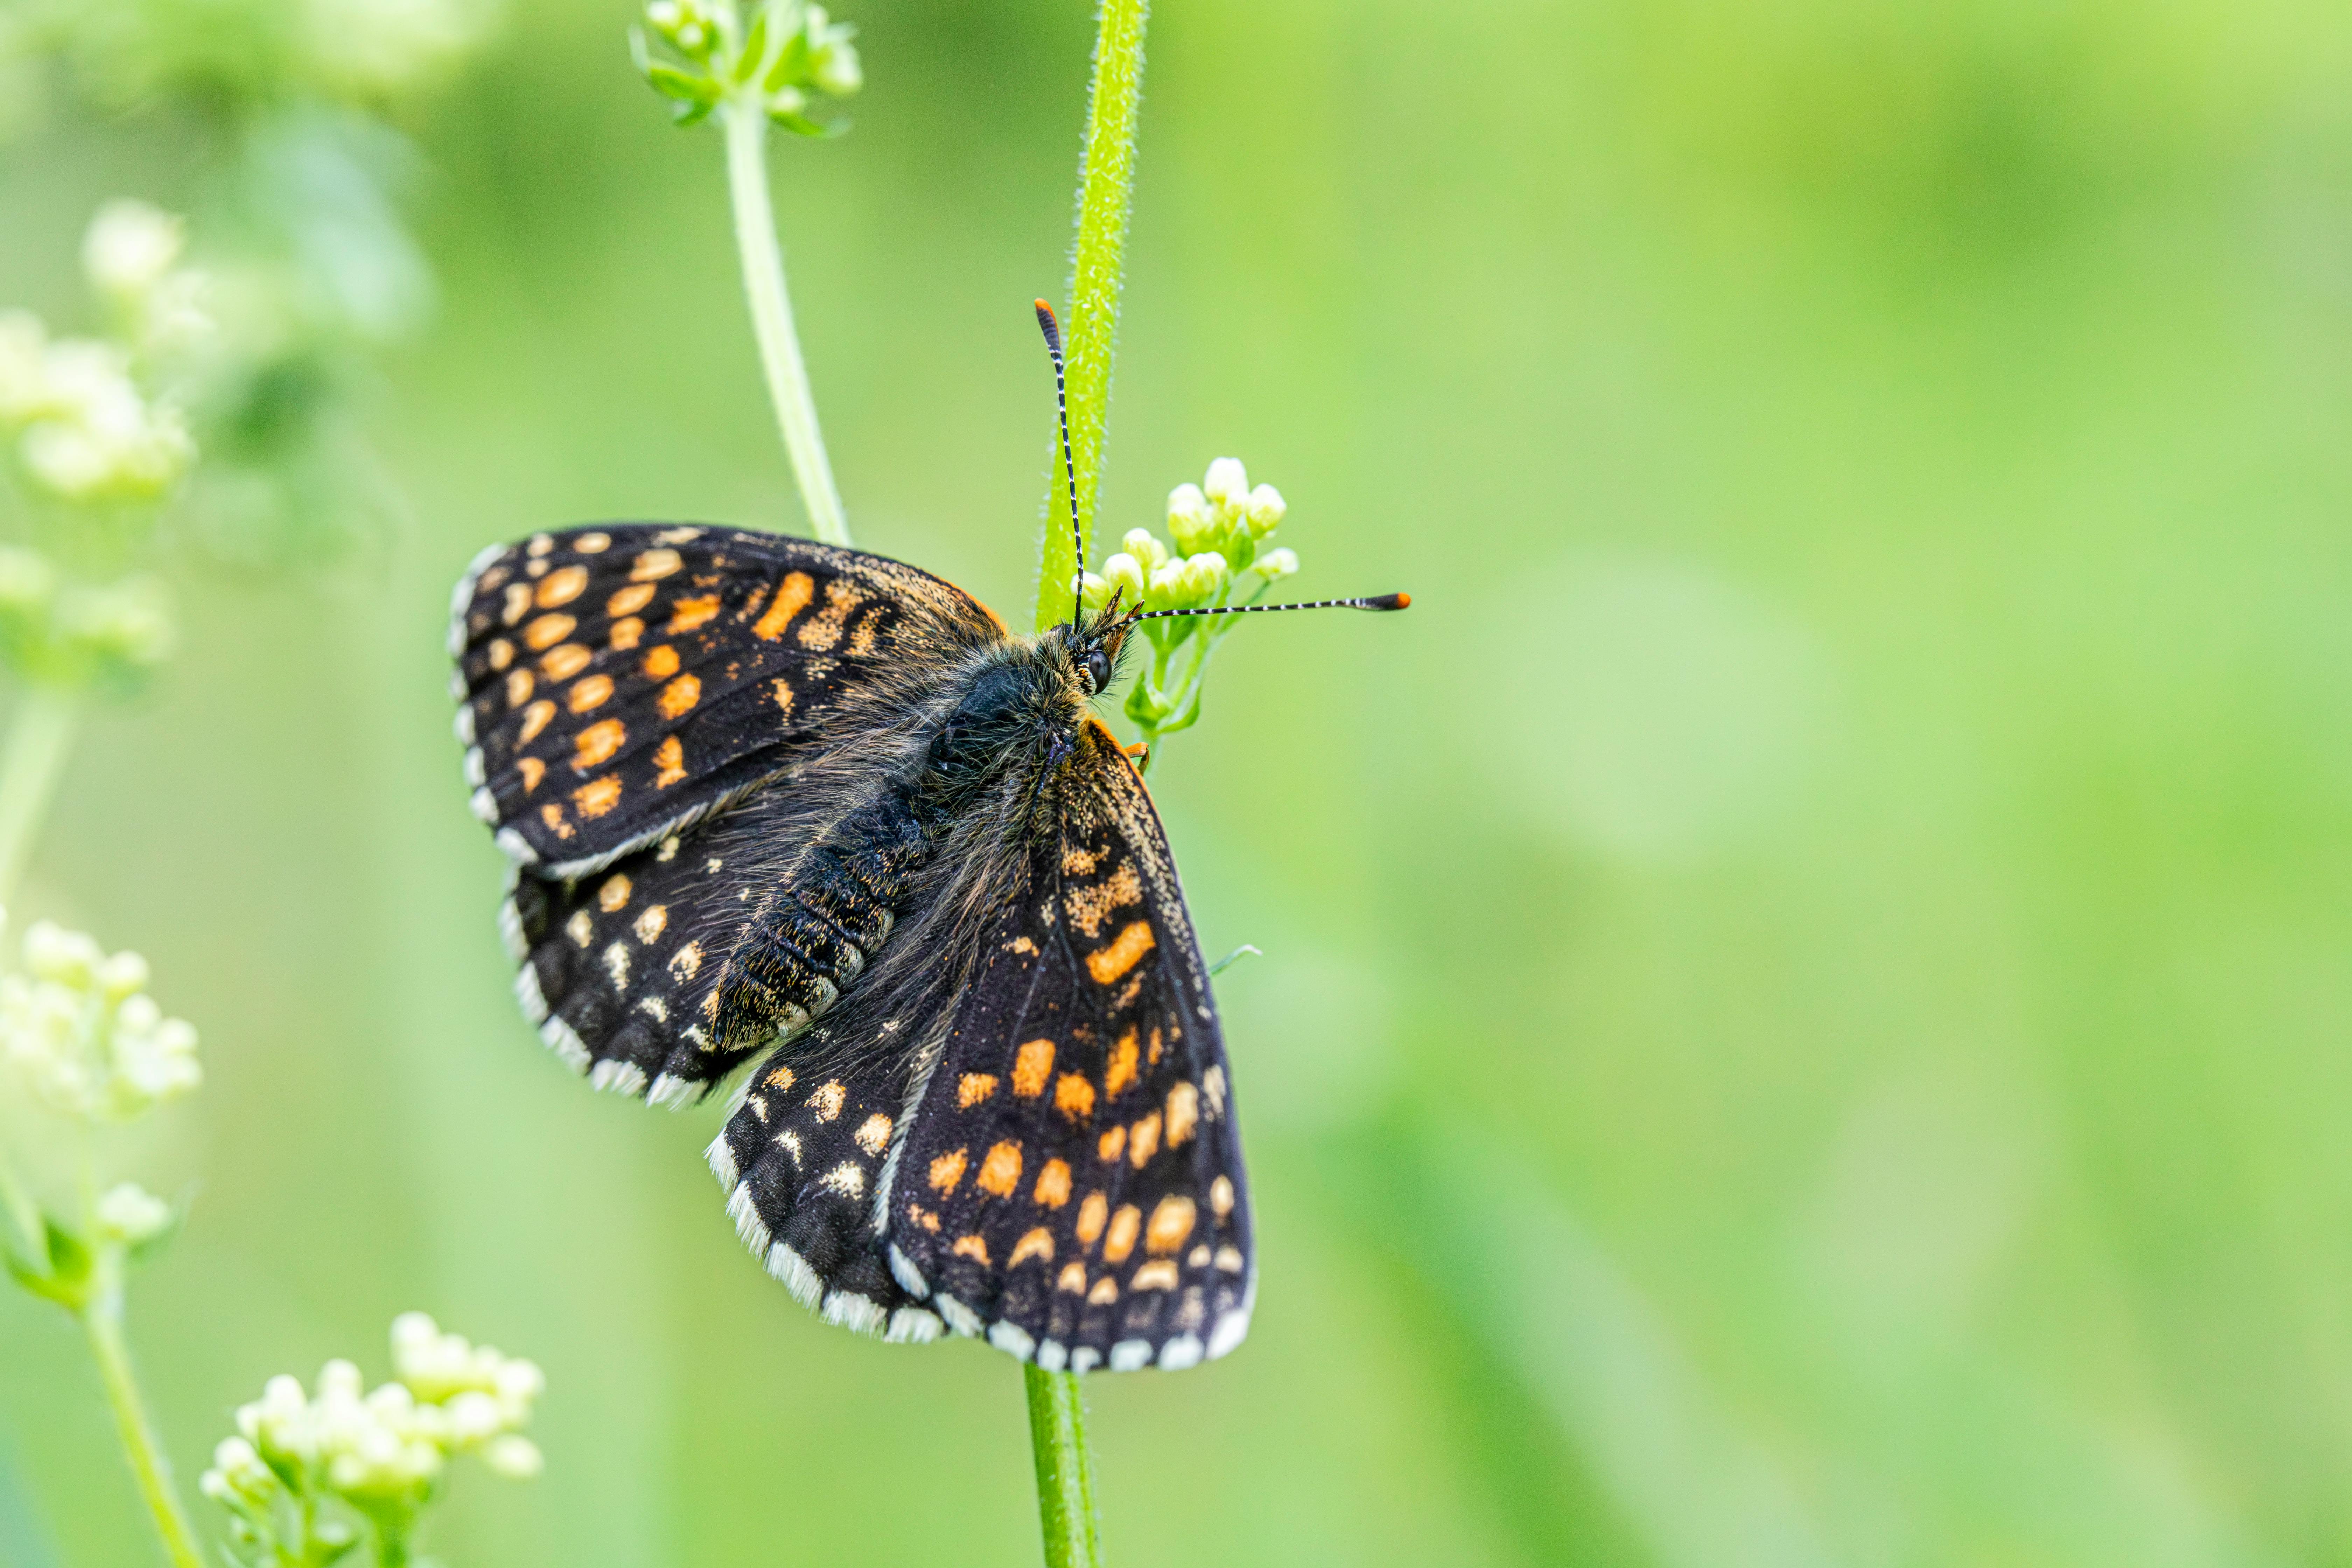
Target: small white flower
1189 517
1145 546
130 246
1123 575
1204 574
238 1474
1227 484
515 1457
1277 565
130 1214
1264 509
92 1044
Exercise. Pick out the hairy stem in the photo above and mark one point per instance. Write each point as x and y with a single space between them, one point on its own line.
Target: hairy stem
101 1321
1065 1469
32 759
771 319
1105 192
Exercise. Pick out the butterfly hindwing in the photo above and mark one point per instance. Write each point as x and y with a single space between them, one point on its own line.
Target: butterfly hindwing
1072 1184
618 682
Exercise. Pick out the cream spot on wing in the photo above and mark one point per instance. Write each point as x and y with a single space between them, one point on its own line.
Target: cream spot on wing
1077 861
562 586
1144 1142
1105 1292
670 759
1229 1258
652 922
780 1080
1221 1195
1213 1085
686 962
614 895
502 653
519 685
535 719
1183 1113
1132 943
823 632
653 565
1030 1065
874 1133
1052 1188
1092 1216
1198 1258
790 1142
591 692
553 817
565 660
973 1247
1172 1222
1000 1171
827 1099
597 796
596 743
630 600
580 927
684 693
972 1088
541 543
547 631
625 633
1124 1225
1155 1276
1074 1097
668 850
593 543
616 964
947 1170
847 1179
1038 1243
783 690
517 603
923 1218
532 771
1072 1280
1020 944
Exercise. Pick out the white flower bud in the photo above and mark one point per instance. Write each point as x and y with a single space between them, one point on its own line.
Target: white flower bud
1264 509
1145 546
1204 574
838 69
339 1379
122 975
518 1384
130 246
1093 593
1168 585
1124 575
515 1457
1227 484
68 957
1277 565
130 1214
1189 517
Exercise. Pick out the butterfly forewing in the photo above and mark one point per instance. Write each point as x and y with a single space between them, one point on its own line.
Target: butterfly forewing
618 682
1072 1182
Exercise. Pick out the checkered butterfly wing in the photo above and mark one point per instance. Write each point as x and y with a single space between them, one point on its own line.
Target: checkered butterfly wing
1053 1161
1072 1182
619 682
620 686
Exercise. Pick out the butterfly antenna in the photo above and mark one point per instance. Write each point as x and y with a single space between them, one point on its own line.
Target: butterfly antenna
1053 331
1380 602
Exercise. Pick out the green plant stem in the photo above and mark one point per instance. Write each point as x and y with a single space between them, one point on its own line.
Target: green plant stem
1106 193
32 759
101 1321
1065 1469
771 319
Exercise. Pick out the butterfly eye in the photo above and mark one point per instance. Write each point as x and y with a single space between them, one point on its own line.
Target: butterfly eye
1096 666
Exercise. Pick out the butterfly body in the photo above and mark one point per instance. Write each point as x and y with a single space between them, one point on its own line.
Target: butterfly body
765 795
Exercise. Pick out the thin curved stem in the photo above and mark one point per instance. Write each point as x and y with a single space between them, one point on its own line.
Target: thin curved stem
1065 1469
1105 194
101 1321
762 256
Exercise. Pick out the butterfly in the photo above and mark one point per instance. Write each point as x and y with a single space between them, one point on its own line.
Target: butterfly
765 798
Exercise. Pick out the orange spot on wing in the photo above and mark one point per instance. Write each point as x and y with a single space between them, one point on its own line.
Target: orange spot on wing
1074 1097
947 1170
684 615
1144 1141
1109 1144
1123 1227
1172 1222
597 796
1000 1171
532 771
791 597
630 600
660 663
1030 1067
547 631
625 633
1092 1214
1122 1071
1107 964
565 660
974 1088
590 692
534 720
669 757
682 694
1038 1244
973 1247
1052 1188
653 565
596 742
562 586
1183 1112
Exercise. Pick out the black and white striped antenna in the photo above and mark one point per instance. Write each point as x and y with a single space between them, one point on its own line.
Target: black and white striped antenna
1053 331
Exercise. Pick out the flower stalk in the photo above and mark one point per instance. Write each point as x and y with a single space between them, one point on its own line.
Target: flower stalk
1065 1469
101 1322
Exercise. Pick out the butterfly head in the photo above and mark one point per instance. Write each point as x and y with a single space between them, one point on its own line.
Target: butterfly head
1094 644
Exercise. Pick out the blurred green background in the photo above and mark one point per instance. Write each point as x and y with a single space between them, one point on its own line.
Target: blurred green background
1806 990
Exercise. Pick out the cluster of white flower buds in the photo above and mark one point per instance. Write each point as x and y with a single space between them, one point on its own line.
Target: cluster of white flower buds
781 55
1220 527
382 1451
90 432
78 1024
72 634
